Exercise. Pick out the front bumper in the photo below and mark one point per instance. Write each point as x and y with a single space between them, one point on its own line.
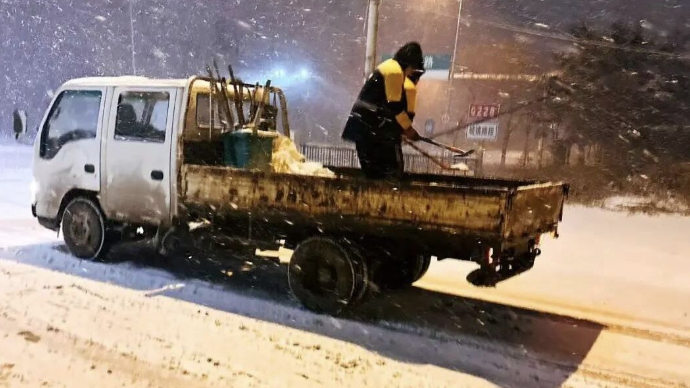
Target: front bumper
47 223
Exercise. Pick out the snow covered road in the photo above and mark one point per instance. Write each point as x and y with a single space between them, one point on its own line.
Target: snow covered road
606 306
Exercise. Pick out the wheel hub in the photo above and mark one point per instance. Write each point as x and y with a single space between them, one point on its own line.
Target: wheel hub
80 228
326 277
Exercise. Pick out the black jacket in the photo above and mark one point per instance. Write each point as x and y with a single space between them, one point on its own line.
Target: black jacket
385 106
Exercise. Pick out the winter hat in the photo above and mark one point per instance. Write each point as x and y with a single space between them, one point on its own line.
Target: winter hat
410 55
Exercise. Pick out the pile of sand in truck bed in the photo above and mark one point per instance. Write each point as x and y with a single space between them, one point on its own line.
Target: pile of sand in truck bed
288 160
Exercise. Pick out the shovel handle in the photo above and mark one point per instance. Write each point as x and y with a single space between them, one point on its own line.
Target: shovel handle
459 151
429 156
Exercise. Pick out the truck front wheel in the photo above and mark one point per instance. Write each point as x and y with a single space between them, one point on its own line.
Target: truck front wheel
326 275
84 229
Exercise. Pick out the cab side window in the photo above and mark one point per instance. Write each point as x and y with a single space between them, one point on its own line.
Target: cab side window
142 116
73 117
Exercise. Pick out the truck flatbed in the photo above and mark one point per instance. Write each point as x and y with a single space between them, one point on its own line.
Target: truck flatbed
440 213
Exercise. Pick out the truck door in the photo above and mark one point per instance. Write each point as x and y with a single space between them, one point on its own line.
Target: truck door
67 151
138 155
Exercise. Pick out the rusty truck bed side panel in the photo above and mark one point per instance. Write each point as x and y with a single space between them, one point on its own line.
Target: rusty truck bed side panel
534 209
460 210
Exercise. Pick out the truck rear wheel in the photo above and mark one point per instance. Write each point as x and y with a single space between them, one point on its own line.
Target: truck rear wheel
176 240
422 266
326 275
396 274
84 230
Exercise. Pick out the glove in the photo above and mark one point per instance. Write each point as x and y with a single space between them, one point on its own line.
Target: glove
411 134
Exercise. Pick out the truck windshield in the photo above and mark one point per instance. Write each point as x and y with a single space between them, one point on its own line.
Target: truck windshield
74 116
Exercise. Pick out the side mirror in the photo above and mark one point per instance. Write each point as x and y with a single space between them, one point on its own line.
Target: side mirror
19 123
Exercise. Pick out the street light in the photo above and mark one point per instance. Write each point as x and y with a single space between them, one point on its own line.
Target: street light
305 73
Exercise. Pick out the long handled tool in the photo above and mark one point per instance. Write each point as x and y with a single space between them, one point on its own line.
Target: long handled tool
239 97
436 161
225 100
258 112
460 152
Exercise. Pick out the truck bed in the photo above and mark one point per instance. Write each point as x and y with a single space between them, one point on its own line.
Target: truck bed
496 211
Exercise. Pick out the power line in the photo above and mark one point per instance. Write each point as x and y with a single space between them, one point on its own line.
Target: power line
505 77
573 39
464 126
559 35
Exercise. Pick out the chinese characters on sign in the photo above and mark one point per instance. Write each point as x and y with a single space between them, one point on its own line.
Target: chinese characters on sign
486 118
428 62
483 131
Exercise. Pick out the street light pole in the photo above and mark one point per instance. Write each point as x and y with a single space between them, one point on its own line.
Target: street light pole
131 31
455 46
451 73
372 37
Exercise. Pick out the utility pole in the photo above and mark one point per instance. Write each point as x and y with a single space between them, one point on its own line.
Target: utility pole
131 32
451 73
372 37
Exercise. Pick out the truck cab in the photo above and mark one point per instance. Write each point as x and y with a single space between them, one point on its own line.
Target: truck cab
107 144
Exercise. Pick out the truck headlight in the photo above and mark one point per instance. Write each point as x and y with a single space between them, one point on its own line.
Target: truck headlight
34 187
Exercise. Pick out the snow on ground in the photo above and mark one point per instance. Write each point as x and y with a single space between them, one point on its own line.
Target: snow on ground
140 320
15 169
612 267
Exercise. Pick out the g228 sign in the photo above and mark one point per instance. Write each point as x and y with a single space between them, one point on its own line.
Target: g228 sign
484 111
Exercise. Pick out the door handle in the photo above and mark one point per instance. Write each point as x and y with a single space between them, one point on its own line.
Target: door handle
157 175
89 168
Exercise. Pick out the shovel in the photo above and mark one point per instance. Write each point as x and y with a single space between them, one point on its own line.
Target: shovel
436 161
459 152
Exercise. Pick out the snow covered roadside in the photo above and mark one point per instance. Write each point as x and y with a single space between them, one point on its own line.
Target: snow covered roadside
18 227
67 322
115 324
15 177
87 332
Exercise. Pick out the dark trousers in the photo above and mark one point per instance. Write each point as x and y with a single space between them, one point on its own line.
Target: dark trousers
380 159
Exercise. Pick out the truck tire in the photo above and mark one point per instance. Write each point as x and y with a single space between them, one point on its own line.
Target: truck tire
175 241
326 275
423 263
84 230
362 272
397 274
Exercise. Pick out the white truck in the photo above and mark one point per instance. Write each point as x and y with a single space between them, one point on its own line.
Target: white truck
120 154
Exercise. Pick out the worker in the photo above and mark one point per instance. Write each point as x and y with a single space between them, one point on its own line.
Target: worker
18 124
383 113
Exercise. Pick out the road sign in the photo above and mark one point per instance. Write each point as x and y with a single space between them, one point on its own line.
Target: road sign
437 65
429 126
484 111
483 131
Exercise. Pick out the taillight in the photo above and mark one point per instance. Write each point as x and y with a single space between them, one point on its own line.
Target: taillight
488 255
